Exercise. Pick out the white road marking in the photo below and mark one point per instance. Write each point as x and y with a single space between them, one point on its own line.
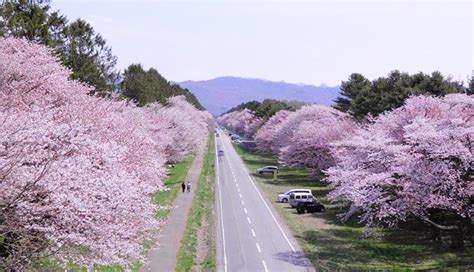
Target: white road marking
248 219
261 197
240 195
238 189
253 232
258 247
273 216
241 201
220 204
265 266
245 210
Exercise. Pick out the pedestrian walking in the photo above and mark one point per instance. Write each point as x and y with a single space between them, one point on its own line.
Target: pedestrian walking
189 186
183 186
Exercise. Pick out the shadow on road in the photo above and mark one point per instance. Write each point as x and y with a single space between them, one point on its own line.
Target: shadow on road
295 258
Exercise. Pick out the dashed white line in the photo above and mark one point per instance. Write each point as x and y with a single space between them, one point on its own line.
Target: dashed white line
253 232
238 189
241 201
265 266
240 195
258 247
273 216
245 210
248 219
221 215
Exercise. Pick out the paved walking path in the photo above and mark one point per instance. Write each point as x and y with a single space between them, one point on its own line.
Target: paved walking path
163 257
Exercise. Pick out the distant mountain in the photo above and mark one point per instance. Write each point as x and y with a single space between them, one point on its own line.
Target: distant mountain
220 94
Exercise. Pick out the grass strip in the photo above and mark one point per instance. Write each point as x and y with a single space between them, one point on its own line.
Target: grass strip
201 211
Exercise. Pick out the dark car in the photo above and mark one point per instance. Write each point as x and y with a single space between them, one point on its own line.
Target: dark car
310 207
221 153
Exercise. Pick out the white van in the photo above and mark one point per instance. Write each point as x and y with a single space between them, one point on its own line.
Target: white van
300 197
285 197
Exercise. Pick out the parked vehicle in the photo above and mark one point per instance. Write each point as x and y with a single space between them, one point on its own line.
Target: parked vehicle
221 153
267 170
234 137
285 197
310 207
300 197
217 134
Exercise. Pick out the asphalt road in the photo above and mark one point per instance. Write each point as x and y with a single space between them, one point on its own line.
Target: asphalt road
251 236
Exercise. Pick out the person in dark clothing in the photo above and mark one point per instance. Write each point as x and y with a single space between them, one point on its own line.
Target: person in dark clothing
183 186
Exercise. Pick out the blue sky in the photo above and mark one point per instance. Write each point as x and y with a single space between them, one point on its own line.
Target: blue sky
311 42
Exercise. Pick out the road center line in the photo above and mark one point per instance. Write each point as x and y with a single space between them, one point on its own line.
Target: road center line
241 201
265 266
245 210
271 213
253 232
240 195
248 219
220 206
241 163
258 247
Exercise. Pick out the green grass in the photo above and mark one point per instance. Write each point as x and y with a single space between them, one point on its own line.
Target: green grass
176 176
201 211
333 245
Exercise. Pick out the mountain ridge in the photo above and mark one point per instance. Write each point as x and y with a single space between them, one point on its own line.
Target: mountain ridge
222 93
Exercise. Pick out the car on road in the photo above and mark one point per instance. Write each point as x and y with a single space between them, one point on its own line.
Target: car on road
217 134
221 153
309 207
285 197
300 197
267 170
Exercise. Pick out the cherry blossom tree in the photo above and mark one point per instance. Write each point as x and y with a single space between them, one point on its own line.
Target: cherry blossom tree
188 134
243 122
413 162
310 145
284 134
265 135
304 137
76 171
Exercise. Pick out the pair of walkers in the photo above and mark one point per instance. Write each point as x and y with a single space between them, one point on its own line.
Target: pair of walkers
186 187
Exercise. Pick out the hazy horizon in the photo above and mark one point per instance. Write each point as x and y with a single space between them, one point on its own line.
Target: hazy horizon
303 42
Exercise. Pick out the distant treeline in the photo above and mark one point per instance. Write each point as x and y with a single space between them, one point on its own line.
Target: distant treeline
268 107
86 53
361 97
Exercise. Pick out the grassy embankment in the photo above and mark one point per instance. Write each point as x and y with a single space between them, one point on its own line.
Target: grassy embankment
332 245
197 252
176 176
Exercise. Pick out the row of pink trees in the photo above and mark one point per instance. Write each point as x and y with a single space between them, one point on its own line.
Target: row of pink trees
303 138
413 162
76 171
243 122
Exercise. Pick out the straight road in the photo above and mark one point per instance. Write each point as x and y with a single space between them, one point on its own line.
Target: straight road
251 236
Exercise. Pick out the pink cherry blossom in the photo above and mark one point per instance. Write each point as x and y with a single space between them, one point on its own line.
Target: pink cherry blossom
416 161
304 136
77 171
265 136
243 122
